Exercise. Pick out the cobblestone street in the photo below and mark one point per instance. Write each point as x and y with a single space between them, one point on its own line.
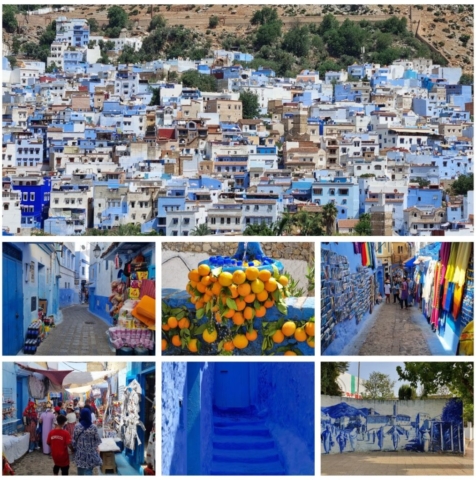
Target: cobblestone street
37 463
393 331
80 333
398 463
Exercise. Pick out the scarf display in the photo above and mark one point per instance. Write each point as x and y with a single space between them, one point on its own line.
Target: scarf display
130 419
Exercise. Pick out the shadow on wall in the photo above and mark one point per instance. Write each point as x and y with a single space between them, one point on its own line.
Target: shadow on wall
237 418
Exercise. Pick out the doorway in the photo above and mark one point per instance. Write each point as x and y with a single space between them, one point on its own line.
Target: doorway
232 385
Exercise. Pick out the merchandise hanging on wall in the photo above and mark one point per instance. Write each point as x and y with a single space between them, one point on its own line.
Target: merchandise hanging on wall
131 415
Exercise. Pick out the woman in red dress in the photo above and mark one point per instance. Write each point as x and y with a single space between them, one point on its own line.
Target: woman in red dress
30 420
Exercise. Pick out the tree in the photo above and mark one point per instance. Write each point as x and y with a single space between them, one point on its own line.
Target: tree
458 377
265 15
307 224
464 39
250 104
466 79
193 79
329 22
267 34
422 182
213 21
262 229
330 371
157 22
201 230
9 21
329 215
117 17
93 25
463 184
379 386
364 226
155 99
297 41
128 55
407 392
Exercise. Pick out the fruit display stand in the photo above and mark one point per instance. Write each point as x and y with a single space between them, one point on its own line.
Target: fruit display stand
237 305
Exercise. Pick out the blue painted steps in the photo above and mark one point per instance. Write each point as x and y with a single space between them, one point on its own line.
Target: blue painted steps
243 446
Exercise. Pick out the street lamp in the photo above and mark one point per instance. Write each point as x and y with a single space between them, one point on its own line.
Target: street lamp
97 250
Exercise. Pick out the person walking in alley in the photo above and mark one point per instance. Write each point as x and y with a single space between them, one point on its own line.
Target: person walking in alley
30 420
86 443
396 290
404 293
47 419
70 419
387 289
59 440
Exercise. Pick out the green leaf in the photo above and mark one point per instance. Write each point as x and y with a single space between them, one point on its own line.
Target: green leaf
256 304
165 308
185 333
199 330
264 345
275 271
230 303
276 296
180 315
200 313
282 308
297 351
220 346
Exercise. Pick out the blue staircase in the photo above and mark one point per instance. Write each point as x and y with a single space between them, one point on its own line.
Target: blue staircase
243 446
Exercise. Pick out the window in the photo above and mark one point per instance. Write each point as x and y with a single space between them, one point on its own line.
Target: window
25 197
175 221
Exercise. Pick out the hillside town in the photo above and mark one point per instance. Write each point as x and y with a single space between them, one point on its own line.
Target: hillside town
95 147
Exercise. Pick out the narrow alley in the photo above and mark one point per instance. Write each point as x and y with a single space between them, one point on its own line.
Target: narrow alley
391 330
80 333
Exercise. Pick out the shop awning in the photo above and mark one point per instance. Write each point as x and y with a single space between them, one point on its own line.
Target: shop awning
410 263
81 379
55 376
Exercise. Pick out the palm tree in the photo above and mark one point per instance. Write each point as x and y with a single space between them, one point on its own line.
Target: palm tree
201 230
307 224
329 215
262 230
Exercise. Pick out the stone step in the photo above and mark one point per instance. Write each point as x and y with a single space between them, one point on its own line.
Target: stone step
246 468
250 442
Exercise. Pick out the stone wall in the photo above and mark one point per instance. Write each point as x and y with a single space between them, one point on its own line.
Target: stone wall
430 425
277 250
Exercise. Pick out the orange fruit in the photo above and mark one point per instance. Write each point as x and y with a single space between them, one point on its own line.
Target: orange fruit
248 313
199 304
264 275
225 279
252 273
261 312
234 291
269 303
229 313
240 304
244 289
251 336
164 344
218 317
206 298
262 296
310 341
165 327
206 280
203 269
289 328
257 286
290 353
216 289
239 277
176 341
240 341
283 280
278 336
184 323
193 275
201 287
193 299
310 328
300 334
250 298
228 346
210 337
238 318
192 345
271 285
172 322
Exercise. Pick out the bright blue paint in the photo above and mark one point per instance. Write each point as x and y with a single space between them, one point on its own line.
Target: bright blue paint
67 297
193 418
100 305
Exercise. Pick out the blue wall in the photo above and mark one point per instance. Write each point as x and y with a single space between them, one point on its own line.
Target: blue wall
100 306
67 297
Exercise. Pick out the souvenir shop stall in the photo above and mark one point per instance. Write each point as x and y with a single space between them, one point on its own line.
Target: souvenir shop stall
351 280
124 293
444 291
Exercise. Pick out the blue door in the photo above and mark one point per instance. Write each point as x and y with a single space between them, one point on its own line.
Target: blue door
19 397
232 385
13 336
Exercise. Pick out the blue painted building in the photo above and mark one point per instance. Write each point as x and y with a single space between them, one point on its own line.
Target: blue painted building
342 191
35 199
237 418
424 196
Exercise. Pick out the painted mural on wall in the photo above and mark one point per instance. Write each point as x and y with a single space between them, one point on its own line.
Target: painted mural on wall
382 426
